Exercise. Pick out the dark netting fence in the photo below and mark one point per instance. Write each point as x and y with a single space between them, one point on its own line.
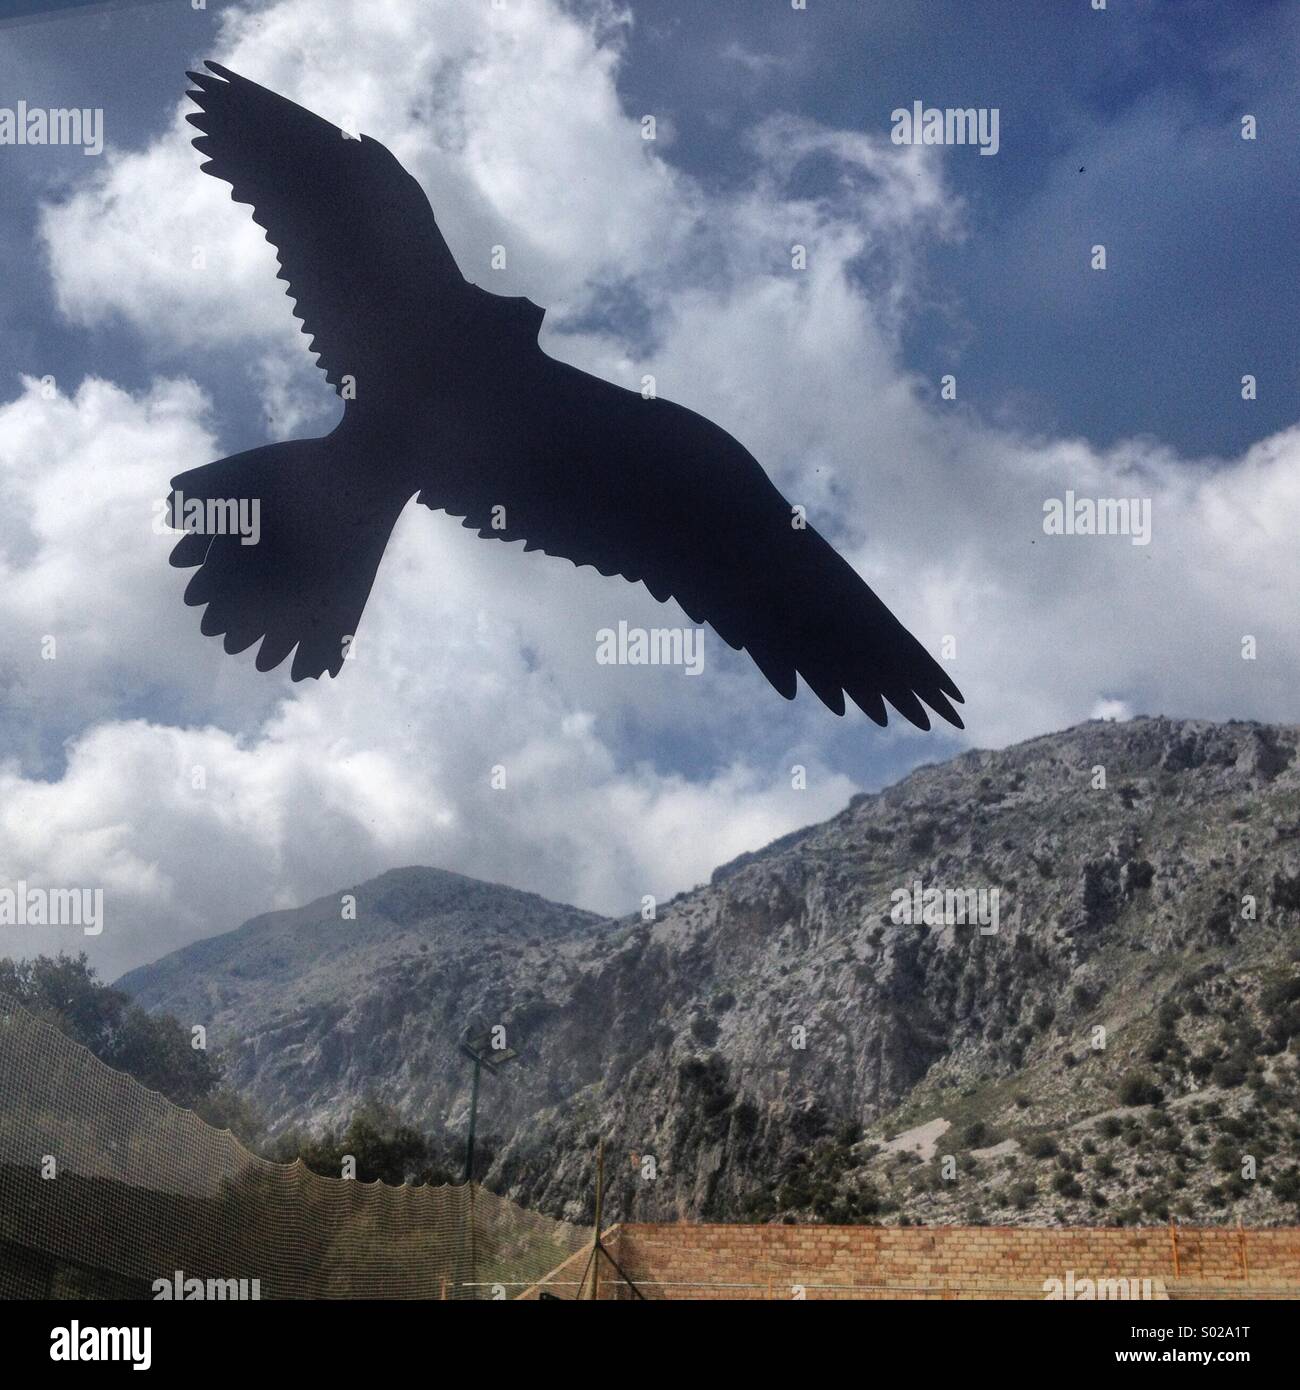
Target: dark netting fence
107 1188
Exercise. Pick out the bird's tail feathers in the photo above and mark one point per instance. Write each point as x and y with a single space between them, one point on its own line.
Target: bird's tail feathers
287 539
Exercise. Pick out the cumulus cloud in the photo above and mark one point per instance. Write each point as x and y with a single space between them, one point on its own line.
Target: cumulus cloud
510 119
618 781
85 604
460 755
193 825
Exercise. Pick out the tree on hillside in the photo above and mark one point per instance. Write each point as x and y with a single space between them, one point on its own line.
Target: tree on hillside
155 1049
383 1146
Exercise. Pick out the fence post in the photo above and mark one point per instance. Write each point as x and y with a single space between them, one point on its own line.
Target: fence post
595 1235
473 1243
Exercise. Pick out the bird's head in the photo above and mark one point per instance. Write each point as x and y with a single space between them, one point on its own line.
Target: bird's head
512 313
526 313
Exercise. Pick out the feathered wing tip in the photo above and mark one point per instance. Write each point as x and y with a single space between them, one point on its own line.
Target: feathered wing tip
937 693
929 685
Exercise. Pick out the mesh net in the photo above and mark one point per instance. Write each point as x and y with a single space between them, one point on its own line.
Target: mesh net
107 1187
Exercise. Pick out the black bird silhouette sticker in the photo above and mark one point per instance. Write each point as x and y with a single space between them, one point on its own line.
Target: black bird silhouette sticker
448 397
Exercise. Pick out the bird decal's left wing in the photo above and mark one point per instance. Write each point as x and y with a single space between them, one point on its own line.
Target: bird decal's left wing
355 235
660 495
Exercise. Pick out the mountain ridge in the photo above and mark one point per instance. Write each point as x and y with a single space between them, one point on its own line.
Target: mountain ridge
777 1042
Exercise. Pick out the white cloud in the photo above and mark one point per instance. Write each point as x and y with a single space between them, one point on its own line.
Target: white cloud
509 118
473 655
190 829
87 603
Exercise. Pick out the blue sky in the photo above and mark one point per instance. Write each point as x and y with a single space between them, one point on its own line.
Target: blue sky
1145 98
1119 127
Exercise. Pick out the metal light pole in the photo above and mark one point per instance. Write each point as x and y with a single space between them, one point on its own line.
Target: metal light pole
473 1116
480 1050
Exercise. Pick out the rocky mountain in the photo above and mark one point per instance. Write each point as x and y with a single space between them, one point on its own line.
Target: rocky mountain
367 992
1054 982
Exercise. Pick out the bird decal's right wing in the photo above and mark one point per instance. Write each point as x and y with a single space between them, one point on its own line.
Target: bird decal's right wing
654 492
356 237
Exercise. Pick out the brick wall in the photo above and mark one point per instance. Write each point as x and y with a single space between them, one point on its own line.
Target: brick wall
857 1262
